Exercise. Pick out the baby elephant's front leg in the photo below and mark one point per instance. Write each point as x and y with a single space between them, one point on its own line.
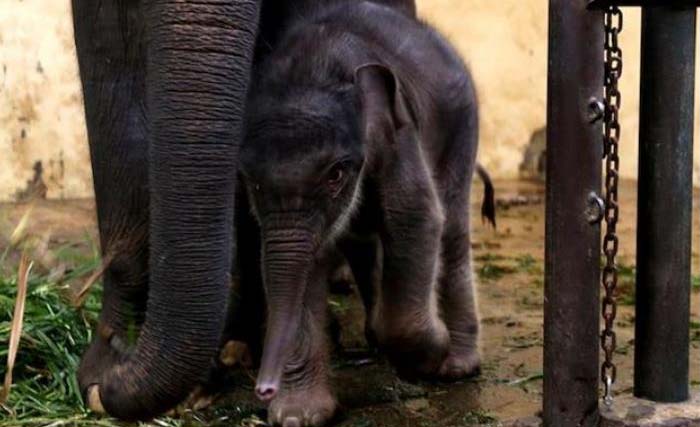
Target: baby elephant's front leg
305 397
407 324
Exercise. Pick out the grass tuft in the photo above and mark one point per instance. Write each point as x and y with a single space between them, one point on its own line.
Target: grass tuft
25 268
45 390
55 333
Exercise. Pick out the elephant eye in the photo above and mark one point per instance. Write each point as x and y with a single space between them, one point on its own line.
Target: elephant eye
335 178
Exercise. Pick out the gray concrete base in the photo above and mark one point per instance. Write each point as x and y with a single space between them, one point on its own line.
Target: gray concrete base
628 411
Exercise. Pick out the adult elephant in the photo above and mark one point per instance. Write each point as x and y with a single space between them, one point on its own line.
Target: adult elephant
165 84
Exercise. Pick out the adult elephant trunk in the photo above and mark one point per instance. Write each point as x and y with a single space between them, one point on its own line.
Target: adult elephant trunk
288 259
199 58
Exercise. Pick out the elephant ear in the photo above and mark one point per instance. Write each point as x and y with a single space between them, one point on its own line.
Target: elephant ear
383 107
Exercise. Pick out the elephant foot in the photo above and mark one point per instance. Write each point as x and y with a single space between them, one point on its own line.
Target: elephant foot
233 355
460 365
416 349
105 351
93 399
312 407
200 398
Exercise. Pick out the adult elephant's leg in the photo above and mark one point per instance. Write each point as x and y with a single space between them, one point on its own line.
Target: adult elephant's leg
111 52
246 314
198 66
276 15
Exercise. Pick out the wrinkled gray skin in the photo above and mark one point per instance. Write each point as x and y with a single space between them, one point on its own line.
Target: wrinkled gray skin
361 136
165 85
155 75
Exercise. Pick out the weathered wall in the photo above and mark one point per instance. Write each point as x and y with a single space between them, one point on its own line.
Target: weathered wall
41 113
503 41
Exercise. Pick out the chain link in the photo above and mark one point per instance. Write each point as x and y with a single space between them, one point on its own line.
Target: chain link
613 101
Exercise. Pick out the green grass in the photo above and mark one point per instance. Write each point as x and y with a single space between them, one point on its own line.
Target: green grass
53 337
479 418
494 267
45 392
625 286
494 271
528 264
489 257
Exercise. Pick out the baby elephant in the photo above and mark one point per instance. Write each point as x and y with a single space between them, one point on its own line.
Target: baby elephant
361 137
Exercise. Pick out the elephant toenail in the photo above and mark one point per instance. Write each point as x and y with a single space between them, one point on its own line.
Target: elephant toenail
94 401
106 332
278 417
118 344
292 422
317 420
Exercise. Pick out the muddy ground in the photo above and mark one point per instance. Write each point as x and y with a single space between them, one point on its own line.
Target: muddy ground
509 265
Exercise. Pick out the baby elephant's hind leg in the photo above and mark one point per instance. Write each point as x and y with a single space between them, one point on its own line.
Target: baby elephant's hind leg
458 304
456 286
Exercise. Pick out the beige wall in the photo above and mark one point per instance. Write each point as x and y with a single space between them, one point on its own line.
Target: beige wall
503 41
41 116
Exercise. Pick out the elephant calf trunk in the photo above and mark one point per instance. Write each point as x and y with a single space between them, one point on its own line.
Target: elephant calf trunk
287 261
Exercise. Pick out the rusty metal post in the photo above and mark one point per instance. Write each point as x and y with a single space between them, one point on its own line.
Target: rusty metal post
572 253
665 204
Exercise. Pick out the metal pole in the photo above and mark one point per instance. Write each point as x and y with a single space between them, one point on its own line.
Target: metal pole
572 253
664 204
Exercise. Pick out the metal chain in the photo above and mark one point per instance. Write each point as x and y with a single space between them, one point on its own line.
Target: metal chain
613 100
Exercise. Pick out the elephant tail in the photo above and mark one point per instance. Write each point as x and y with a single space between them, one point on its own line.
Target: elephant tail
488 205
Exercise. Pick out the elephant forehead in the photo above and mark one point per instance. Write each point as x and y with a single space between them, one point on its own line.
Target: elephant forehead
290 154
295 147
